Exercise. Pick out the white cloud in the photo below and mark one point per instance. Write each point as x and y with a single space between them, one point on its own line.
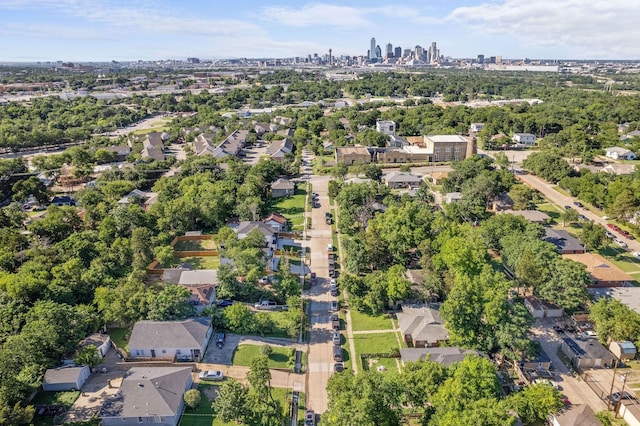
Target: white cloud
338 16
52 32
587 28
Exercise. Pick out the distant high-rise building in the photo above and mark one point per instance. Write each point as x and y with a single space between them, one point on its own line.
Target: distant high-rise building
378 52
481 59
330 58
372 51
499 59
419 52
407 53
492 59
398 52
389 50
434 54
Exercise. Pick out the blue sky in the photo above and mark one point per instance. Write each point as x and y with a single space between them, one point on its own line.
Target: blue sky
96 30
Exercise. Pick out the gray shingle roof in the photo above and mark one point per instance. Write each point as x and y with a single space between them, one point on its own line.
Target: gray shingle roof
62 375
423 324
562 240
190 333
148 391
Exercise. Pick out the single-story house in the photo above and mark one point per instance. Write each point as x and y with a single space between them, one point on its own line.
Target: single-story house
524 138
153 147
121 151
146 199
540 309
282 188
277 221
619 169
270 234
65 378
168 339
397 180
148 395
202 296
585 353
575 415
618 153
328 145
565 242
452 197
63 200
533 216
422 327
101 341
603 273
445 355
278 149
624 350
536 364
629 296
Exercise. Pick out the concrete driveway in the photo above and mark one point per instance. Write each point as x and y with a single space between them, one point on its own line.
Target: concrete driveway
215 355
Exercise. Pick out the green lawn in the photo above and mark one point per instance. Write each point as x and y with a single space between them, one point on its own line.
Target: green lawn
279 358
117 336
150 130
195 245
204 415
622 259
56 398
292 207
551 210
375 343
389 364
281 321
361 321
199 262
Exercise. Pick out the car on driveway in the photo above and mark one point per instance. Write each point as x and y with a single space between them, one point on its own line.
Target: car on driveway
220 337
338 367
616 397
211 375
224 303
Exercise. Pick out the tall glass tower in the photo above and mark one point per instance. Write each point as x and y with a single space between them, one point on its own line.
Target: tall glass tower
372 51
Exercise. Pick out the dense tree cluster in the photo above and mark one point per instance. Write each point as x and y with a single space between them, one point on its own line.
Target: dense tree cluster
466 393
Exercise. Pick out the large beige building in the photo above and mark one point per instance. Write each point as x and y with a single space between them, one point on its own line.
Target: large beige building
353 155
448 147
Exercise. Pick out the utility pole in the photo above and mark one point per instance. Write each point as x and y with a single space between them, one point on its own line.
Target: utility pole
613 379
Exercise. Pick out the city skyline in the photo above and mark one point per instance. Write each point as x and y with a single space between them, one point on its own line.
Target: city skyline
91 30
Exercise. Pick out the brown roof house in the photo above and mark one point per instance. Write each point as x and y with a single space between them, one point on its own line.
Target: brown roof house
353 155
603 273
276 221
422 327
282 188
148 395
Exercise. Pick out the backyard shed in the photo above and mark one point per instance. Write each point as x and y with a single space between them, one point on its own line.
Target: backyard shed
65 378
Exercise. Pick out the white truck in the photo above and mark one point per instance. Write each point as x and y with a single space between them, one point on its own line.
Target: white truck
270 305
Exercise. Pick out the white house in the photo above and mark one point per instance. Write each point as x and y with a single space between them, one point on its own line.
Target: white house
524 138
618 153
476 127
186 339
387 127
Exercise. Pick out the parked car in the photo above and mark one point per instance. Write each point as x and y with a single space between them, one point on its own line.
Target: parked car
337 338
612 226
568 207
220 336
213 375
338 367
330 247
577 204
616 397
334 305
224 303
609 234
636 254
314 278
335 321
309 418
620 243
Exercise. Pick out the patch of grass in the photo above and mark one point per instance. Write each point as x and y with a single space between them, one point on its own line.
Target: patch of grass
279 358
375 343
195 245
199 262
162 128
622 259
551 210
281 320
66 398
389 364
117 336
292 207
361 321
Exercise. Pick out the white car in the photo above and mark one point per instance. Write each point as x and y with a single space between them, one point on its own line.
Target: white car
214 375
620 243
636 254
